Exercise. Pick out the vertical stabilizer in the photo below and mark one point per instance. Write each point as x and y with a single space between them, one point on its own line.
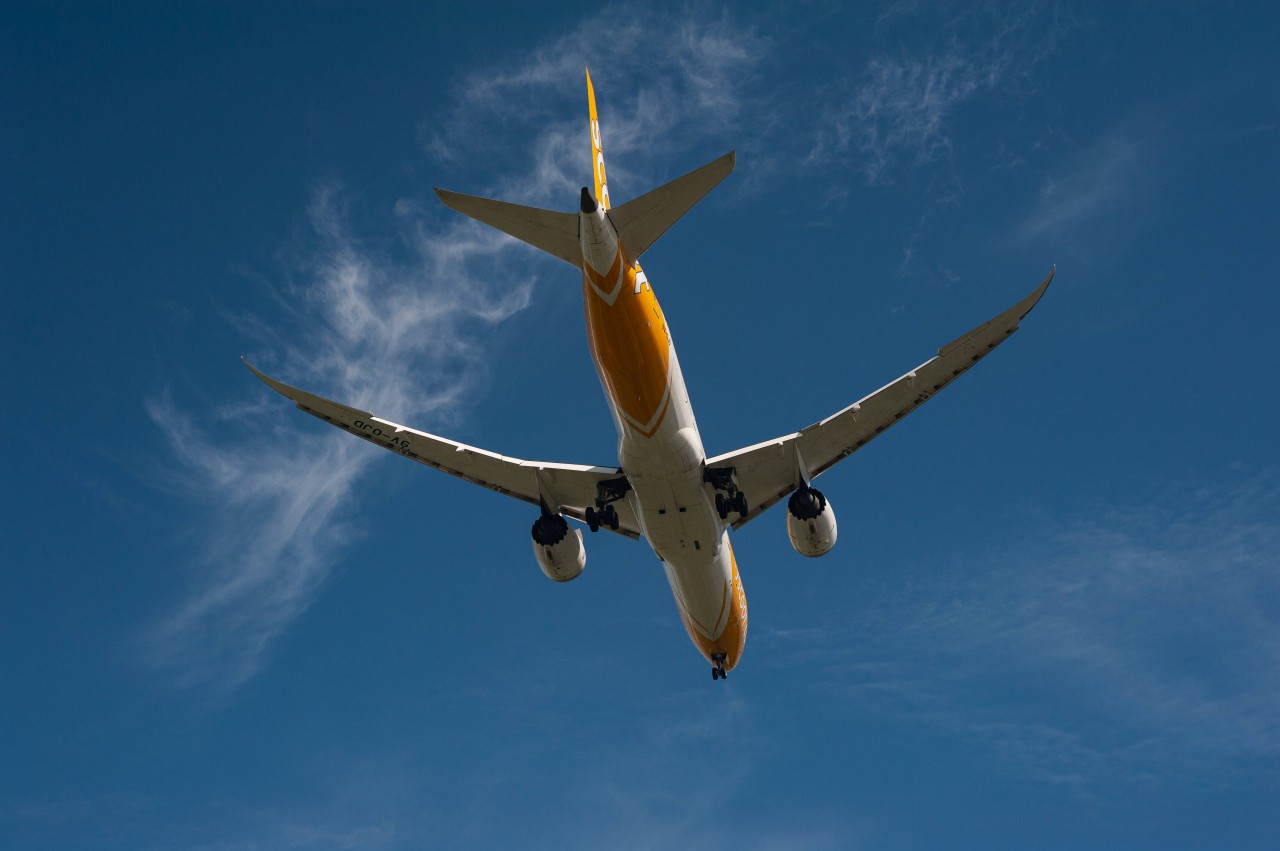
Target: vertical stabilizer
597 148
642 220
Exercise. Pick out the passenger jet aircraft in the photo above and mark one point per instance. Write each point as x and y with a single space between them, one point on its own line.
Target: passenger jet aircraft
664 488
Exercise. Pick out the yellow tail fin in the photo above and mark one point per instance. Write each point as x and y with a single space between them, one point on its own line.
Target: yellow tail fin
597 149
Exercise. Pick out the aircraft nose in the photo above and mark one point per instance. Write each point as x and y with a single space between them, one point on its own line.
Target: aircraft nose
588 203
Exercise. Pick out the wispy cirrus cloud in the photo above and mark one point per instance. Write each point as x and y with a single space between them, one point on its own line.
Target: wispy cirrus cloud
1140 643
649 788
395 325
395 331
900 106
1102 181
683 80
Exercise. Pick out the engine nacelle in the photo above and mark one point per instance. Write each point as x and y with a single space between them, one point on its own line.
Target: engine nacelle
558 548
811 522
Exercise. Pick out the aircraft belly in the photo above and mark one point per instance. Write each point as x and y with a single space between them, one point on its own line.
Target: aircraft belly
669 496
703 594
677 519
712 604
682 526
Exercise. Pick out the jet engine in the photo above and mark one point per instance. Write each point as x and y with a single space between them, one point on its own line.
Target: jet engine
811 522
558 548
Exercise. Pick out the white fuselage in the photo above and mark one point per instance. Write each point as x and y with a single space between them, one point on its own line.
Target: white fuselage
659 447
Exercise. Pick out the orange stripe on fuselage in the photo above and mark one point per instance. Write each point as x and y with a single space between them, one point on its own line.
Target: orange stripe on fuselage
700 627
630 345
607 281
733 639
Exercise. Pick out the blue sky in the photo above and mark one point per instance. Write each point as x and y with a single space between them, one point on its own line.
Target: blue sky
1053 617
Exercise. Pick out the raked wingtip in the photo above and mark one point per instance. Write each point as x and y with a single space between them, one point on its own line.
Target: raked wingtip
1032 300
278 386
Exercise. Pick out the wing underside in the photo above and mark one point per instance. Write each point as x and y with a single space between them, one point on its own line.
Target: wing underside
568 488
767 472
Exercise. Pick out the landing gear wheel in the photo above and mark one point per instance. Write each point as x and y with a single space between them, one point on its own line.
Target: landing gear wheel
717 667
609 517
722 506
593 519
740 504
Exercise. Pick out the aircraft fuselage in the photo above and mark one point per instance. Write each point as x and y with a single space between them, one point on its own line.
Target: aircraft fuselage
659 447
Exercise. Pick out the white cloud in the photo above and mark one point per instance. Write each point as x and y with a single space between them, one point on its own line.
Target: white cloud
395 332
1101 183
396 329
683 83
1140 643
902 103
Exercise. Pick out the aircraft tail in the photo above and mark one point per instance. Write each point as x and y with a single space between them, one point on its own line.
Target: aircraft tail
639 222
597 149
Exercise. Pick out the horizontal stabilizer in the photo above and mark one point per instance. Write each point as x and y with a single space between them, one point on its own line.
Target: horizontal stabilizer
641 221
555 233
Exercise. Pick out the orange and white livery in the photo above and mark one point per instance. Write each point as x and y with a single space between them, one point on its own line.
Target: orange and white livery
664 487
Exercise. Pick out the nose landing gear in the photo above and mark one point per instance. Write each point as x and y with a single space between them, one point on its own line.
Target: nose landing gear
717 667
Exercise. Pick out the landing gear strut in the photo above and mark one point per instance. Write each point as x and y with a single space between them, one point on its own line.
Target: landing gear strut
603 513
717 667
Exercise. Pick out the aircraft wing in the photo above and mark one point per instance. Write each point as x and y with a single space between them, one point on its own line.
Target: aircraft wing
769 471
569 488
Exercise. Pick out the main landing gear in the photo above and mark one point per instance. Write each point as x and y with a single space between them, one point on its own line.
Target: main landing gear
607 516
603 513
729 498
717 667
727 504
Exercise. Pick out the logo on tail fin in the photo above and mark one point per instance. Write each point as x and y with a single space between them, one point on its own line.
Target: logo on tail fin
597 149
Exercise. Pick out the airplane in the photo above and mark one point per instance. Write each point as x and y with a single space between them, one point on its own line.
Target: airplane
664 488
